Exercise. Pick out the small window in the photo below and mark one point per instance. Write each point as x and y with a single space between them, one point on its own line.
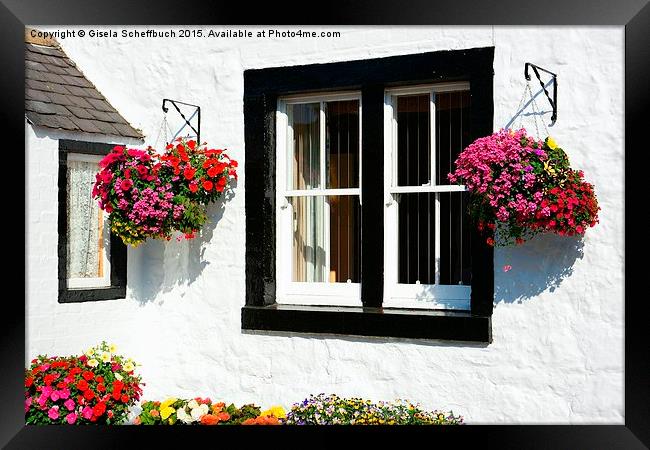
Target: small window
319 213
427 230
92 262
88 234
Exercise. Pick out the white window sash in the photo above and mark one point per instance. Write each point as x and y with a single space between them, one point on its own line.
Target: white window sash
95 282
307 293
397 295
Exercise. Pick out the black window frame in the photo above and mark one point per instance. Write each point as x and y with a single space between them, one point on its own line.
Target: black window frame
262 87
118 256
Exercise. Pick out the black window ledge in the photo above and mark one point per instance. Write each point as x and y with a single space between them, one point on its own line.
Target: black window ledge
363 321
92 294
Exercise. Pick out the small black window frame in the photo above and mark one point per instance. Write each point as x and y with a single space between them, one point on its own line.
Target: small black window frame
372 77
118 255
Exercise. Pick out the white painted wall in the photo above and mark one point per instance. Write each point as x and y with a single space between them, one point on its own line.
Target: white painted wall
557 355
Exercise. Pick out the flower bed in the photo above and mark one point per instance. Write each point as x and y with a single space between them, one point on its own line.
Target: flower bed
151 196
97 387
199 411
521 186
100 387
333 410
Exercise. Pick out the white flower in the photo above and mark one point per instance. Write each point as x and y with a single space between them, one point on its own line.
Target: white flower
118 376
129 366
112 348
192 404
181 415
90 351
93 362
199 412
106 357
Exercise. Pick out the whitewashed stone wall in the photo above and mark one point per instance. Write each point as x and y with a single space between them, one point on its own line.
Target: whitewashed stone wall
558 326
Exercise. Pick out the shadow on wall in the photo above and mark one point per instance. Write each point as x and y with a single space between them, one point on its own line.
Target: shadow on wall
517 120
159 266
537 265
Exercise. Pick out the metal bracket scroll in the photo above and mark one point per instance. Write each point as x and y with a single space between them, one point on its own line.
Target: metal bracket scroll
197 112
552 101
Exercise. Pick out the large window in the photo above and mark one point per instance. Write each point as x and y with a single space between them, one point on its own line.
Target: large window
318 198
352 226
92 262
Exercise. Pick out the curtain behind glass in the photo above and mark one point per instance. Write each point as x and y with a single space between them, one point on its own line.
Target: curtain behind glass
84 222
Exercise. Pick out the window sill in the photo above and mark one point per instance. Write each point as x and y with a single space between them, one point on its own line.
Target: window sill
360 321
74 295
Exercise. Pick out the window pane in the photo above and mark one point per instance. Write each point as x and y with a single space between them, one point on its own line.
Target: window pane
326 239
417 238
342 144
345 232
304 119
417 229
413 140
455 247
452 130
87 240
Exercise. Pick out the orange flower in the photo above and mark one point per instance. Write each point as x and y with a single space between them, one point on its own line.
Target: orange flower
137 421
209 419
154 413
262 420
217 407
223 416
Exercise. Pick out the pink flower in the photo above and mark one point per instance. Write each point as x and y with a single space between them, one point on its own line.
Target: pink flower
64 393
28 403
87 412
71 418
53 413
69 403
42 399
54 396
507 267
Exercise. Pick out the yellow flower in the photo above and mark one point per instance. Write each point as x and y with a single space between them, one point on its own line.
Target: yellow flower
166 411
90 351
129 366
275 411
112 348
547 167
167 402
551 143
106 357
93 362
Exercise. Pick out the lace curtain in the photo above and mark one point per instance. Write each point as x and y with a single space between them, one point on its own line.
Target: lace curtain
84 222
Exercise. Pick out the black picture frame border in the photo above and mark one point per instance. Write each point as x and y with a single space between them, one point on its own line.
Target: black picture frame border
633 14
118 255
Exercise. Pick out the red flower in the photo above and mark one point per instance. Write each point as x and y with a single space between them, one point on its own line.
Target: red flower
99 379
29 381
213 171
233 163
125 398
99 409
490 241
221 184
189 172
191 144
118 149
194 186
207 185
101 387
82 385
89 395
49 378
127 184
88 375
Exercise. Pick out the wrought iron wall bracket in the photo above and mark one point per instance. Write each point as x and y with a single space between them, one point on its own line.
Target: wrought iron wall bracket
196 112
552 101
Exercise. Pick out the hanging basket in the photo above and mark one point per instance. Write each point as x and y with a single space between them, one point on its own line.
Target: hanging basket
520 186
149 195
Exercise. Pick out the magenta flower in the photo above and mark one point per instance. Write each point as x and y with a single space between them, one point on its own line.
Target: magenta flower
71 418
28 403
69 403
54 396
507 268
87 412
53 413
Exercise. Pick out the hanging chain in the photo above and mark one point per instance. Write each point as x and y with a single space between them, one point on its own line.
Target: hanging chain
164 125
519 111
537 112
